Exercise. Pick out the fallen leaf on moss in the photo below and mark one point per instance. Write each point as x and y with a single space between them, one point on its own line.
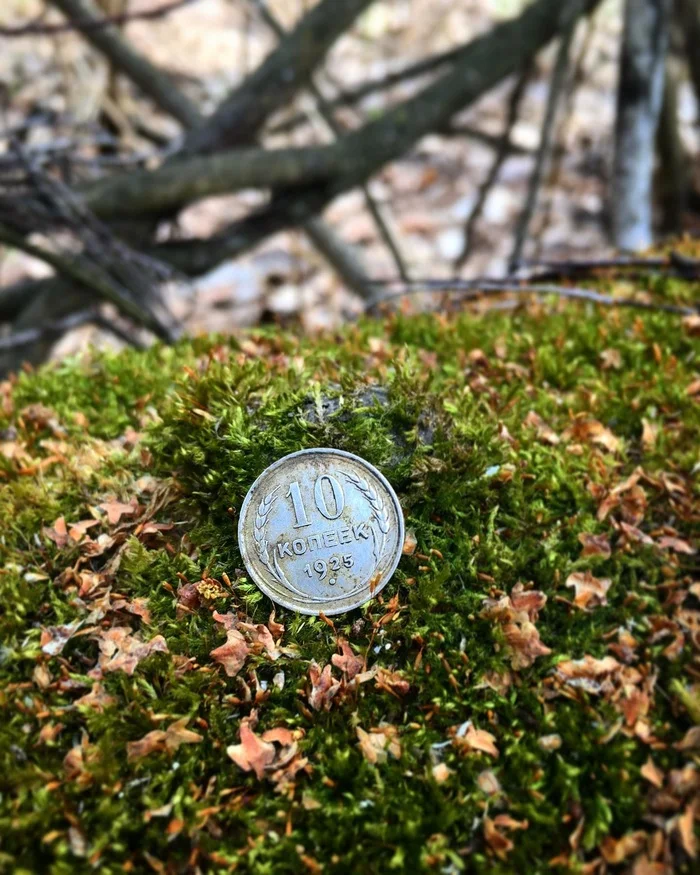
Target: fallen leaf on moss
466 738
516 614
97 699
115 510
590 591
123 650
652 773
650 434
233 654
594 432
169 739
611 359
252 754
58 533
685 828
346 660
441 773
379 742
78 530
549 743
678 545
392 681
690 741
544 432
323 687
488 782
138 607
594 545
500 844
54 638
618 850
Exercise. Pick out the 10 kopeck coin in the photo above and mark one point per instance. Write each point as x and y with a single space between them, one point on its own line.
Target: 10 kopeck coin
321 530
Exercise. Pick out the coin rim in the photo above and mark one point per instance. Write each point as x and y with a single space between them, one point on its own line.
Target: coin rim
262 584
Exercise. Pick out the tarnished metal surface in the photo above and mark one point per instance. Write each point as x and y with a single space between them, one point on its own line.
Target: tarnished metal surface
321 531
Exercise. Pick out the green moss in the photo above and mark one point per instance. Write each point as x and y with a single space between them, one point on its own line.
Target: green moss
441 407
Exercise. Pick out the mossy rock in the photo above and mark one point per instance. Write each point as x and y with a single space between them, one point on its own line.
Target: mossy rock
528 672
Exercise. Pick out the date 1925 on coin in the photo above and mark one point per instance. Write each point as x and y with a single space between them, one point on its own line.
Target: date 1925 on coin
321 530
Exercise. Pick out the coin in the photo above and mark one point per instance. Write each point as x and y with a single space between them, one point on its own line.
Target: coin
321 530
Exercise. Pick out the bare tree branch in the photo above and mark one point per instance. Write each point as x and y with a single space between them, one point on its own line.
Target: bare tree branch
52 331
37 28
335 128
241 116
477 288
491 177
508 47
556 87
153 81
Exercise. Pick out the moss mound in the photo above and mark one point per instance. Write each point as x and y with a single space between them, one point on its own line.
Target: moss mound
520 698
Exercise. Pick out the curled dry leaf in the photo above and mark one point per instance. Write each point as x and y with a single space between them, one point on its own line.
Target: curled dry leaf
685 828
690 741
594 545
652 773
392 681
58 533
546 434
549 743
233 654
611 359
169 739
618 850
488 783
323 687
379 742
122 650
97 699
650 434
441 773
499 843
54 638
410 543
678 545
252 754
115 510
590 591
466 738
593 432
516 614
346 660
259 754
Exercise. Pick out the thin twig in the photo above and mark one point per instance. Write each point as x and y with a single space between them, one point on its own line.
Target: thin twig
556 85
327 115
574 82
28 336
87 275
477 288
36 28
499 159
679 265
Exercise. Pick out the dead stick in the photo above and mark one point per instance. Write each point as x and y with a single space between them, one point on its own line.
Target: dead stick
543 153
35 28
474 289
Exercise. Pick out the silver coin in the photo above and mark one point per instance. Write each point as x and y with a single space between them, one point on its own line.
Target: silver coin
321 530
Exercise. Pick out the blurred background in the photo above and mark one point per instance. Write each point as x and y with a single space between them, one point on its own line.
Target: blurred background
582 145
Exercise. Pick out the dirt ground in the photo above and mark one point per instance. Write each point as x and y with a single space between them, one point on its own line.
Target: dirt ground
426 198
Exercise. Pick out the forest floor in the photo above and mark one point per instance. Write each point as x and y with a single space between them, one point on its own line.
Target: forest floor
427 197
524 696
